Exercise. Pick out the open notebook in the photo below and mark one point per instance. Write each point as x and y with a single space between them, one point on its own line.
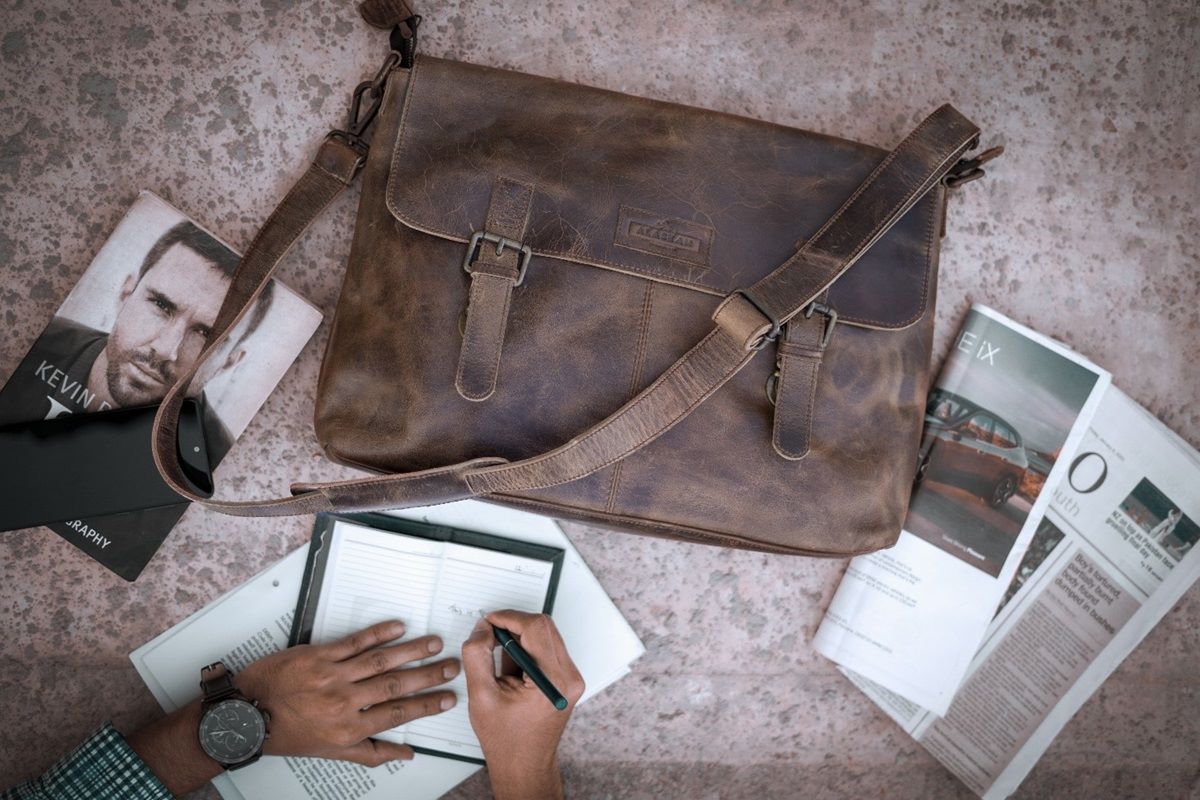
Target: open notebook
367 568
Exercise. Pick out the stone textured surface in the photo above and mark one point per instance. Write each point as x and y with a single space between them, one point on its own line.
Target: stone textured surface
1087 230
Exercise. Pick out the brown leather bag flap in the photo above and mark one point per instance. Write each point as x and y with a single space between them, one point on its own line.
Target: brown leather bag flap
700 199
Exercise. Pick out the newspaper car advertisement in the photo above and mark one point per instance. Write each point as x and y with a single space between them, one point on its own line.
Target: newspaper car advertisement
1007 405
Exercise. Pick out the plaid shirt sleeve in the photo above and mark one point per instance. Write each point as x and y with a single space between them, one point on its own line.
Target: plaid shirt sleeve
103 767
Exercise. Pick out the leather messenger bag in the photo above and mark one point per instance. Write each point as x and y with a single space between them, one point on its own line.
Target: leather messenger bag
644 316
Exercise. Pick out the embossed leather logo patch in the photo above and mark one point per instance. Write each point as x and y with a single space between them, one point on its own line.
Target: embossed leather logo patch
664 236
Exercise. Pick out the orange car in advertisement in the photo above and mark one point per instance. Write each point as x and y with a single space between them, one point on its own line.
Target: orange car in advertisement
967 446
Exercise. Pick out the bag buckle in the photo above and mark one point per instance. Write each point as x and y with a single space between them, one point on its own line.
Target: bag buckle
501 242
831 317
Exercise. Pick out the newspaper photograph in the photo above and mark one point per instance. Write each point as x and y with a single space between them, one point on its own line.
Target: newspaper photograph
1007 406
1113 554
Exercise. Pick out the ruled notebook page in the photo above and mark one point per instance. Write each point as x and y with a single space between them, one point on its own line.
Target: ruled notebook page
471 580
435 587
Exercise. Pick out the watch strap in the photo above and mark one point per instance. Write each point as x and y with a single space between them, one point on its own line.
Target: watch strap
216 682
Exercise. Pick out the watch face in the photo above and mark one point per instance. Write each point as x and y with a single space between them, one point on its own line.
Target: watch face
232 731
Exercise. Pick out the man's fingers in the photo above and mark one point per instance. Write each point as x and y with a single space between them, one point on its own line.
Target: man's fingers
395 713
361 641
397 684
540 638
372 753
515 622
508 666
537 632
384 659
477 660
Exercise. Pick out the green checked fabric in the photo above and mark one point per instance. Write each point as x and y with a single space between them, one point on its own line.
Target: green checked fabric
104 767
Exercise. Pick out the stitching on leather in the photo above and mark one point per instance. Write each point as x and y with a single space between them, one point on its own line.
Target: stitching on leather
639 360
921 306
477 337
390 479
678 365
172 466
401 138
854 255
497 211
875 232
336 177
487 335
811 369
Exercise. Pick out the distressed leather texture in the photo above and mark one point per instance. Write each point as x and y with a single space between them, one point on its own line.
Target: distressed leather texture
643 217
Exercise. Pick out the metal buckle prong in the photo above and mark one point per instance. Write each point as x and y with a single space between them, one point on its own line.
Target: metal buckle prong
830 315
501 242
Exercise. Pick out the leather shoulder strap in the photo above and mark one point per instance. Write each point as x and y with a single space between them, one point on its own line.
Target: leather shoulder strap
744 322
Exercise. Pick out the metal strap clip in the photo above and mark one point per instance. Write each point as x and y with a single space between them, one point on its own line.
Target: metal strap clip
968 170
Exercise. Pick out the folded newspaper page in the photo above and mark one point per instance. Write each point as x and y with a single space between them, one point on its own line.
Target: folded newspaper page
1007 407
255 620
1114 552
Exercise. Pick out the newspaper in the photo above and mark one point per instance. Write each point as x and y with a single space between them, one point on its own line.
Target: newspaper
1007 404
255 619
1115 550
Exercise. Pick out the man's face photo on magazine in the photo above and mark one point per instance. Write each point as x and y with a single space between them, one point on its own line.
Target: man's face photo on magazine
164 322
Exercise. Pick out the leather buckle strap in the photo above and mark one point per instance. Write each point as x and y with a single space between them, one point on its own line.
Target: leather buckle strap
494 276
501 242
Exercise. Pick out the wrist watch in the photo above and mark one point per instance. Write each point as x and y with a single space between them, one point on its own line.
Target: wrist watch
233 728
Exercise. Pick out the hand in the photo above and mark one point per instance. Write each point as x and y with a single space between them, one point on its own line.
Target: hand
517 726
324 700
328 700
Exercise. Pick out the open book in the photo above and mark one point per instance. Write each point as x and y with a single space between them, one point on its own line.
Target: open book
369 568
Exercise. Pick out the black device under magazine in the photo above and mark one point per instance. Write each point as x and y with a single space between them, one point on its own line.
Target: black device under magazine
368 568
84 465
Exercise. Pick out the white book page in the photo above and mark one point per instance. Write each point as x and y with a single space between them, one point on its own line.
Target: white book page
374 576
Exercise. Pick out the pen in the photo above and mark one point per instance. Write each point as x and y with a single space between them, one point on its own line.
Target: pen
525 662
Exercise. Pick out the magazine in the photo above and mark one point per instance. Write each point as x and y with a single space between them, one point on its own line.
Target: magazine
1115 550
136 318
255 619
1007 405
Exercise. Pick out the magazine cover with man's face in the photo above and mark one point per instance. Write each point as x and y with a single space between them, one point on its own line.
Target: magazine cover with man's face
137 319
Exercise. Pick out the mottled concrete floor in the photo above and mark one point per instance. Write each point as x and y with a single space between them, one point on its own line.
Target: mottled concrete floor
1086 230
